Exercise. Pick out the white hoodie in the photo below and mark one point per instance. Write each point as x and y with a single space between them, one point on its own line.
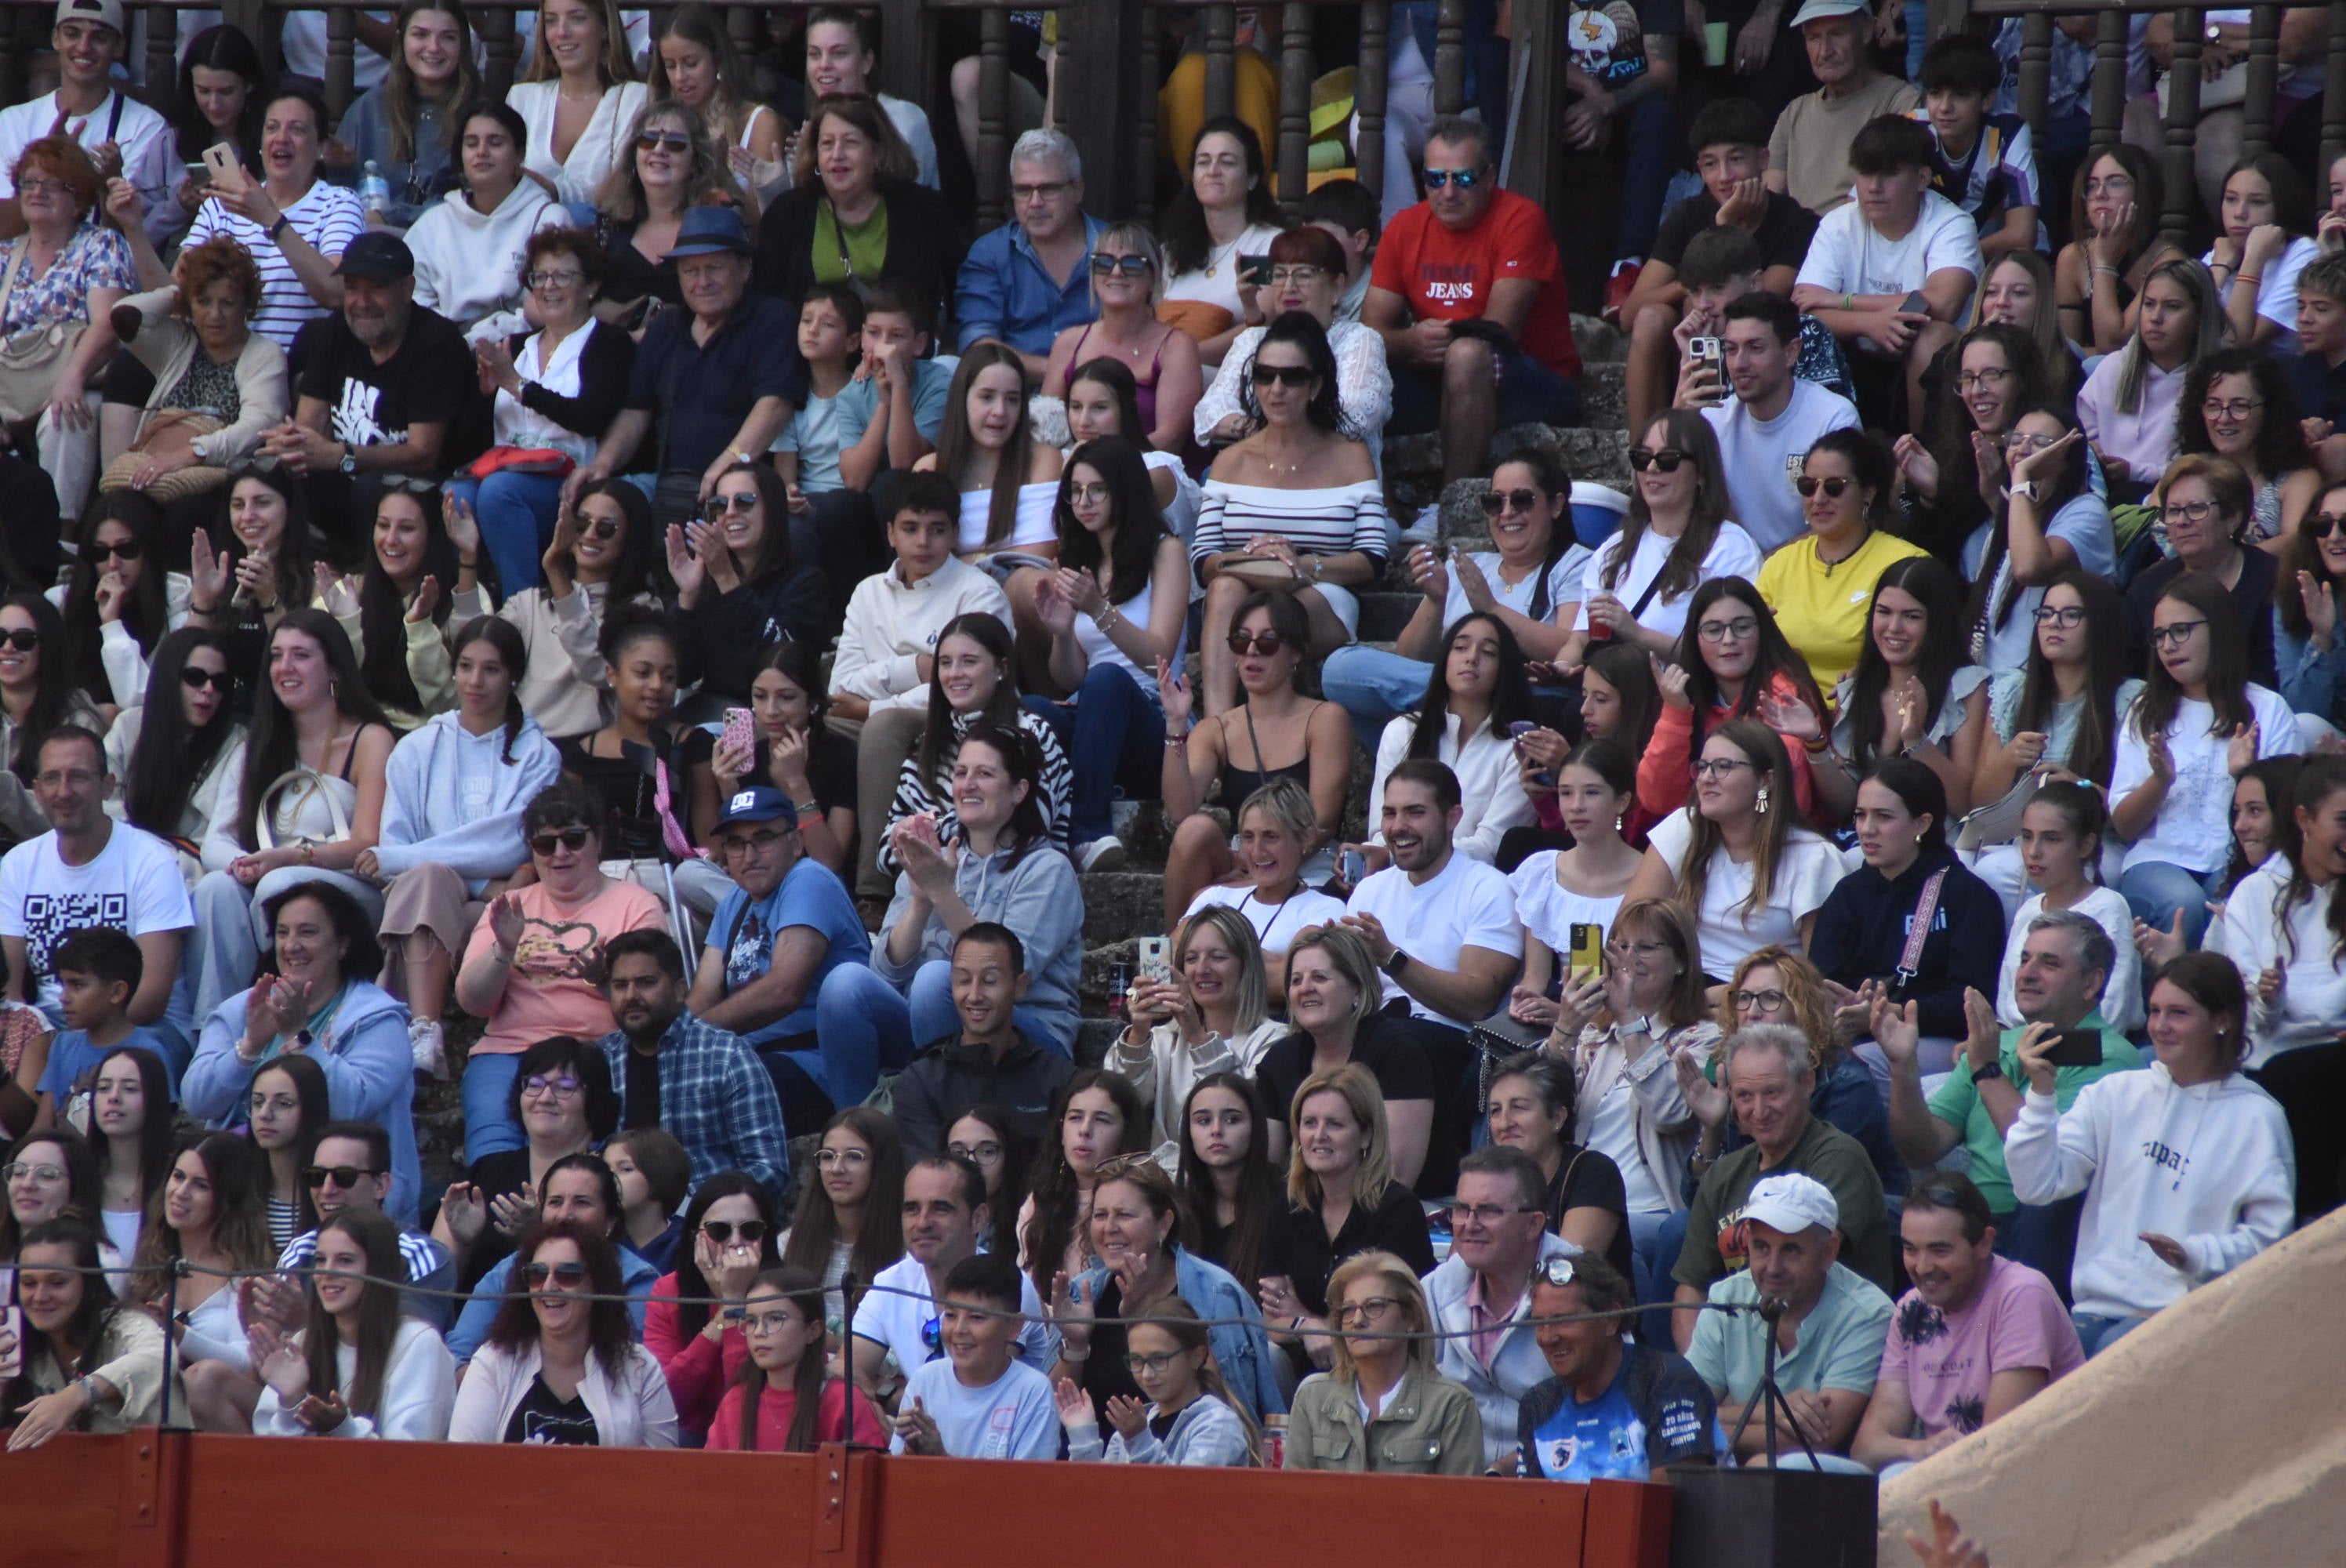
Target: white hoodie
2210 1165
2313 985
892 625
468 263
418 1392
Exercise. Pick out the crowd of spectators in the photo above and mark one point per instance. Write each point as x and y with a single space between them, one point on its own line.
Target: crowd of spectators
652 587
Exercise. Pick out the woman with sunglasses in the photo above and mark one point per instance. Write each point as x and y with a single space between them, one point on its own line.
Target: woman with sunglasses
578 98
310 802
583 1188
2198 722
675 166
1225 210
535 960
1127 273
464 244
793 751
2203 504
2129 404
731 1238
744 582
1277 828
1732 663
1639 586
857 213
1307 273
453 793
1008 479
2237 403
360 1368
849 1225
1382 1405
1212 1014
599 565
1848 498
395 610
1559 892
1297 506
783 1399
318 1003
1225 1172
1530 581
120 602
2312 582
559 1369
37 694
556 390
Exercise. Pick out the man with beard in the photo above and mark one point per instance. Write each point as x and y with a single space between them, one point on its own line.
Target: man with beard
701 1084
383 381
1976 1337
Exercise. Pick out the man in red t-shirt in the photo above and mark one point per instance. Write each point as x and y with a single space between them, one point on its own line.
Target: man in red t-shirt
1470 252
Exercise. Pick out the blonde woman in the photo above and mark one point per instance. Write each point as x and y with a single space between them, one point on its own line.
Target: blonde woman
1127 273
1335 1005
1381 1405
1209 1015
1278 827
579 98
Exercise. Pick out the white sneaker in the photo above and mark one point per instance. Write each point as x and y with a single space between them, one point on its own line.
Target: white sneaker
1100 855
1425 526
428 1044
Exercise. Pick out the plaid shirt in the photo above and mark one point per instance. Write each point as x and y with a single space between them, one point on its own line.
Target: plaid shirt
717 1099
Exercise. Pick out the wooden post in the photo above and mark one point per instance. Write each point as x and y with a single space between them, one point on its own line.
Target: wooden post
251 18
1103 100
993 118
2334 99
2264 71
2183 126
12 64
1369 84
494 25
1449 57
1295 73
341 60
907 51
2108 109
1222 65
1140 106
2036 67
162 61
743 24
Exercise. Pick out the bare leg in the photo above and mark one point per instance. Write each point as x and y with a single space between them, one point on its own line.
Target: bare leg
1470 407
1653 365
117 427
1200 856
429 971
221 1397
1327 633
1219 669
965 74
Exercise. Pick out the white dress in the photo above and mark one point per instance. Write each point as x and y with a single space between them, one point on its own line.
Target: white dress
600 146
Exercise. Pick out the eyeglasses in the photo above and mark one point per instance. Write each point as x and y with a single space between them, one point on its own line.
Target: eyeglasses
2068 618
1494 502
1293 376
23 641
1664 460
1485 1213
653 140
977 1154
2186 510
840 1157
1808 484
1720 767
1364 1312
2020 443
37 187
2321 525
1621 950
1464 178
1138 1364
75 778
771 1322
1555 1271
739 501
1756 1000
755 843
565 837
1264 644
2236 409
343 1177
194 679
1121 266
570 1276
1294 276
751 1231
553 280
123 550
2175 634
1733 631
1979 381
1044 191
561 1088
19 1171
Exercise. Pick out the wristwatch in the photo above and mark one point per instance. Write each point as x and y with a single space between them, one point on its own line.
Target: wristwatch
278 228
2028 490
1993 1070
1396 963
349 463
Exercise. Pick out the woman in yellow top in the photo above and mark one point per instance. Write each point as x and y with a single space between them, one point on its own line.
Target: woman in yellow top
1820 585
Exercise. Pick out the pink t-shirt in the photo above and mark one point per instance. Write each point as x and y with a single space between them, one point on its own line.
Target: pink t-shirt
1948 1360
555 985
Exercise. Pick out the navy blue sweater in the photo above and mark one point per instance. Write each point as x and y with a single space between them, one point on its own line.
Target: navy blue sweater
1860 934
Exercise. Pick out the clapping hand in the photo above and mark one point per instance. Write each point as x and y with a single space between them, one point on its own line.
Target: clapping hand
1053 604
1076 1412
511 1212
2321 601
1172 694
1790 718
427 599
278 1362
335 596
207 570
2242 750
507 923
1915 463
1706 1099
1429 573
1071 1314
1526 1005
464 525
918 1429
1128 1415
685 569
2159 948
461 1206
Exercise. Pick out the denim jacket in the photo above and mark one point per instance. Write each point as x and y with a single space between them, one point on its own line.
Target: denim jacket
1243 1353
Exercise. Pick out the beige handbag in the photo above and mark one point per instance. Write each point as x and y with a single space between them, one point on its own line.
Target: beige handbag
196 479
31 360
304 782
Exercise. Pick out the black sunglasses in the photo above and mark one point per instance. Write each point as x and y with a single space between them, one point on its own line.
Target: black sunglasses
1834 486
599 528
23 641
344 1176
126 550
1497 500
1667 459
194 679
566 837
567 1274
1296 376
2321 525
1264 643
751 1231
1129 265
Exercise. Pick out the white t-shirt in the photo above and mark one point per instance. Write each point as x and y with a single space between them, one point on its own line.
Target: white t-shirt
1466 904
148 159
1762 458
327 216
1563 583
1013 1417
1732 553
1549 909
1276 924
886 1317
132 885
302 36
1850 255
2121 1001
2276 291
2194 826
1805 874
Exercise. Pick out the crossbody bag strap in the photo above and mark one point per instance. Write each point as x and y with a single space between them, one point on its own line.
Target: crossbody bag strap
1910 961
15 267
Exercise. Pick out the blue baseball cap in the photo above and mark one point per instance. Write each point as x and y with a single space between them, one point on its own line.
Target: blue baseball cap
759 803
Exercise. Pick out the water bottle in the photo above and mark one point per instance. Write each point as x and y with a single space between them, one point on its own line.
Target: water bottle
1274 1443
375 190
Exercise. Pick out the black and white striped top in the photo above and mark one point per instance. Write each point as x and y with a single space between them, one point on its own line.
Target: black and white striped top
1329 521
916 794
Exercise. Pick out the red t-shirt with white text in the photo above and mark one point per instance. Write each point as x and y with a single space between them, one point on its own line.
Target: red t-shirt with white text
1448 274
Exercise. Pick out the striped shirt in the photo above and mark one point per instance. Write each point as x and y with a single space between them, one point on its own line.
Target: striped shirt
916 794
328 217
1324 522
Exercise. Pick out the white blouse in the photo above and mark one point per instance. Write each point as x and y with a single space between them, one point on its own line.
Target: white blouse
1490 788
1363 383
600 146
1806 872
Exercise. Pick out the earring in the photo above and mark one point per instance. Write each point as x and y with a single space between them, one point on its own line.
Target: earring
1617 824
1760 807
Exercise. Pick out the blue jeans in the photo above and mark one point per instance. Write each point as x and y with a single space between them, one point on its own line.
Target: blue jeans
2155 891
516 513
2098 1334
1657 1250
1376 686
933 1018
1649 149
1117 752
864 1024
489 1124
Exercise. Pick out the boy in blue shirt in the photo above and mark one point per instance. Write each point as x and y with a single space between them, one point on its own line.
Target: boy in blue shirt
97 972
1987 163
979 1402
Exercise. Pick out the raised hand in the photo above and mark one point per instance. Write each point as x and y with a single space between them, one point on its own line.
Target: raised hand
1790 718
2320 602
1053 606
1896 1030
1919 469
685 570
511 1212
1672 680
1173 693
464 525
1706 1099
278 1362
1075 1412
335 596
109 597
466 1218
507 923
1428 572
2243 749
1984 1042
2159 948
427 599
1071 1314
1129 1416
207 570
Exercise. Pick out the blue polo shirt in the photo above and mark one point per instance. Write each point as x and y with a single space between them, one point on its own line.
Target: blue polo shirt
702 392
1005 290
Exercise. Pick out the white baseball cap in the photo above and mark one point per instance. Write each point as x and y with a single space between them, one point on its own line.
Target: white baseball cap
1792 1203
104 13
1827 10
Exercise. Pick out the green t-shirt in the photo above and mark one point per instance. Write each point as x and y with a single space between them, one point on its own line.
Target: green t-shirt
1956 1102
867 245
1714 1240
1838 1344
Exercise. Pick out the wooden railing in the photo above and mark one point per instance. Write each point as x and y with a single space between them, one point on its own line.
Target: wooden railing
1111 57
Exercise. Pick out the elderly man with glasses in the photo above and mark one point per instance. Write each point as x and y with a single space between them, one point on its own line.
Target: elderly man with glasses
1025 281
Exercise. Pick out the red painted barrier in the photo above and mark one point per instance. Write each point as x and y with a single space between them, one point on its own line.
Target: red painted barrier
176 1499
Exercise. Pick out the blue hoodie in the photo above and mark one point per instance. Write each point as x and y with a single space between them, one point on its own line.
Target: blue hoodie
455 798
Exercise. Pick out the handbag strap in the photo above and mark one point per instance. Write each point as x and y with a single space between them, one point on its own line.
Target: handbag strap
22 249
1910 961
